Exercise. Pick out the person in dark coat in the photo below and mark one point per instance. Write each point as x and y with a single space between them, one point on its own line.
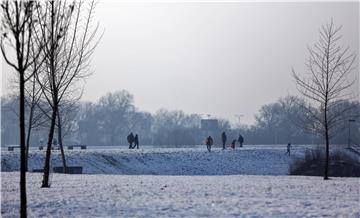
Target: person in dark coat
241 140
288 147
223 138
136 141
209 143
233 144
130 139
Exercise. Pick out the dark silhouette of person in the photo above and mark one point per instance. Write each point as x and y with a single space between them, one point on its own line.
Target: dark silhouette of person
223 138
209 143
41 144
55 143
288 147
130 139
241 140
136 141
233 144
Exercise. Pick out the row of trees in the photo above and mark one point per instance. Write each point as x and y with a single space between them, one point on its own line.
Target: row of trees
109 120
48 44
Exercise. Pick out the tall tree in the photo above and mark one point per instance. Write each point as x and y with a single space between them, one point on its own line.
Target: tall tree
65 116
18 27
71 40
175 128
114 113
34 114
326 82
269 119
88 124
33 93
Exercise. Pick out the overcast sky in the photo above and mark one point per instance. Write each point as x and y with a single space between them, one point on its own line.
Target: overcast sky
218 58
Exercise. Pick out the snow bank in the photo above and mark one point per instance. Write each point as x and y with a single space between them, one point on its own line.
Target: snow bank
164 161
182 196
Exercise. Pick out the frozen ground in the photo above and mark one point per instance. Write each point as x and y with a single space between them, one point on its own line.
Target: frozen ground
177 182
165 161
182 196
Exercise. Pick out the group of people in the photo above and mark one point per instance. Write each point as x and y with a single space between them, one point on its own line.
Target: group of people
233 143
133 140
209 141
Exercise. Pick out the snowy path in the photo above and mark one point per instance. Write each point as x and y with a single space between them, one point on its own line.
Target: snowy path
162 161
183 196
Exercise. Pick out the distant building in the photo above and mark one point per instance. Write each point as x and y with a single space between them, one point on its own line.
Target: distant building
209 125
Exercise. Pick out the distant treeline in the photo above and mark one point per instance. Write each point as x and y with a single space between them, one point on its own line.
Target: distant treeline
109 120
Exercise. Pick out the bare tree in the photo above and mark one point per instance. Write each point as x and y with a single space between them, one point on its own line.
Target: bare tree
326 82
70 42
114 110
66 113
33 102
35 116
18 27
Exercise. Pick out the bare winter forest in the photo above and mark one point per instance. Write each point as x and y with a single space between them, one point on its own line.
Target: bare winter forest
180 109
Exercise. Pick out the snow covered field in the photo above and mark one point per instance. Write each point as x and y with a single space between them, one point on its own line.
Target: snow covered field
177 182
165 161
182 196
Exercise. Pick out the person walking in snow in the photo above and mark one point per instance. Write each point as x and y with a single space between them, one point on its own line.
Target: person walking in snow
288 147
241 140
130 139
233 144
136 141
223 138
41 146
209 142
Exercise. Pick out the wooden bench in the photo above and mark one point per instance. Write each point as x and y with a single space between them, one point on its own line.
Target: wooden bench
52 148
68 169
55 147
11 148
71 147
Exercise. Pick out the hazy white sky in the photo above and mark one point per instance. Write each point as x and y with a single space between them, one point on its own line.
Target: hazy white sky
209 58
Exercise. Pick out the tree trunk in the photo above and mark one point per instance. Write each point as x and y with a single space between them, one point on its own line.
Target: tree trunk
22 146
327 149
45 182
28 137
326 138
60 143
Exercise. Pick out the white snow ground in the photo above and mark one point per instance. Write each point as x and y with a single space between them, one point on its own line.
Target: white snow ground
165 161
248 182
182 196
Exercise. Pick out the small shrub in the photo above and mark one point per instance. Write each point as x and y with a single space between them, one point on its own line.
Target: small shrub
341 164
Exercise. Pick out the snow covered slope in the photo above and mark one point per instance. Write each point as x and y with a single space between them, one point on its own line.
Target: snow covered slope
165 161
182 196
